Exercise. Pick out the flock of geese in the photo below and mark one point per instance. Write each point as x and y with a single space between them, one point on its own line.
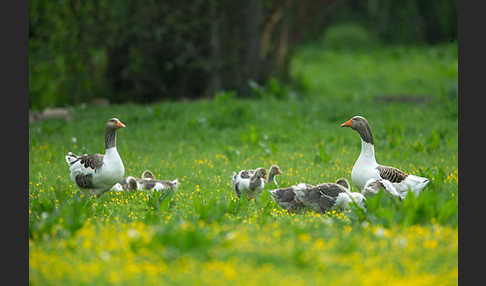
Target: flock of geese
99 173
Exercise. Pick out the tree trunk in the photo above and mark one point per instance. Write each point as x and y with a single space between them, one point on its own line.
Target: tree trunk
215 82
253 25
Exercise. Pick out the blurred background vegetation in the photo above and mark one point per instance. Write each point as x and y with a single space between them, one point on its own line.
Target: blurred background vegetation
145 51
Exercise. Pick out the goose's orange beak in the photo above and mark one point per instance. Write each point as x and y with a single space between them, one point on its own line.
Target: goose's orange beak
119 124
346 124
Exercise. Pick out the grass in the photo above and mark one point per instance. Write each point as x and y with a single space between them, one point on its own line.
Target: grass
204 235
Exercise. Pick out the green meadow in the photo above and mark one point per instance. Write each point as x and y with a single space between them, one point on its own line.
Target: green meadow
202 234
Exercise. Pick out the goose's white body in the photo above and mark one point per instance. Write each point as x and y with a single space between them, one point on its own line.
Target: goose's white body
365 166
344 199
159 186
365 169
117 188
244 184
236 178
111 171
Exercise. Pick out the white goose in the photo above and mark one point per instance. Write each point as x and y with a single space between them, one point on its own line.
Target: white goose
393 180
249 182
242 178
97 173
329 196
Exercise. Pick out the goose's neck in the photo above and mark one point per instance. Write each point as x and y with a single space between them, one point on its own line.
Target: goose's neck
271 178
367 151
111 152
254 179
110 138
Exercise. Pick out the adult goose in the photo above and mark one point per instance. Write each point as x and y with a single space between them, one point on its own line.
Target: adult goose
286 198
146 182
366 167
249 182
97 173
328 196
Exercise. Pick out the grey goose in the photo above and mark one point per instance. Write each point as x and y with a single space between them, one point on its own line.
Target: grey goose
366 167
287 199
97 173
329 196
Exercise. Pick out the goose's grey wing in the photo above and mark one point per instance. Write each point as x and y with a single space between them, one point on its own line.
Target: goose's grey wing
391 174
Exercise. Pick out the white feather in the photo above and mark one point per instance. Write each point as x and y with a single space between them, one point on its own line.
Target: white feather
414 183
117 188
342 201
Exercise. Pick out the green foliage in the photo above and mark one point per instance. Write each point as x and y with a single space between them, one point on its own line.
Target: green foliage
348 37
274 88
323 155
67 56
430 22
61 211
159 200
428 72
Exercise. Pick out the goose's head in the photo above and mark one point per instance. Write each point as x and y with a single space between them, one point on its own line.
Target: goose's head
175 184
371 187
110 135
360 125
132 184
114 123
274 170
147 174
260 173
343 182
